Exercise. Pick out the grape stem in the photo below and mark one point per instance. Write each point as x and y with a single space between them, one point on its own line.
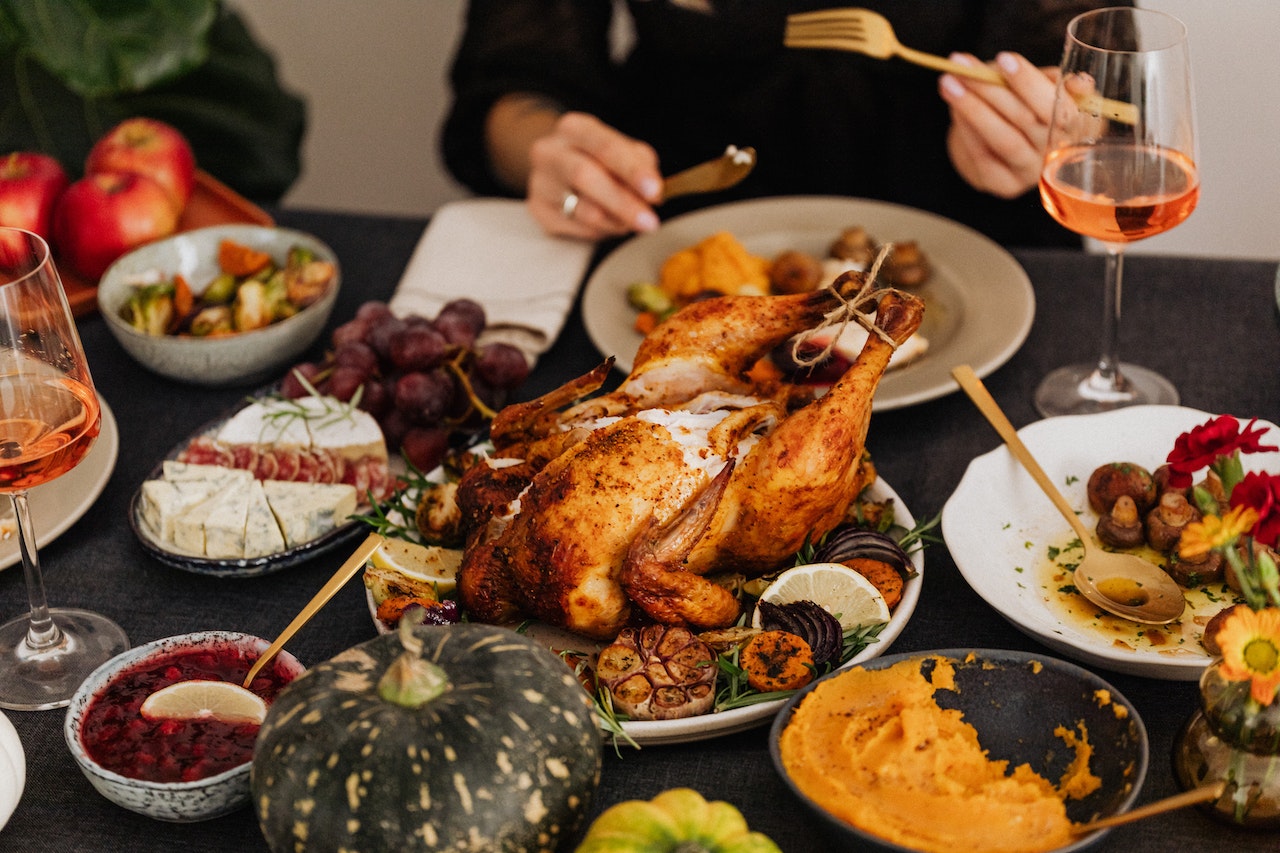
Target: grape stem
461 375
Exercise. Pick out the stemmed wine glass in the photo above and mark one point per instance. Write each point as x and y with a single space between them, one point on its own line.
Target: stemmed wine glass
49 418
1120 166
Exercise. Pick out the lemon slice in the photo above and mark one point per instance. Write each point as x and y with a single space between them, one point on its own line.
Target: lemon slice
838 589
205 700
427 563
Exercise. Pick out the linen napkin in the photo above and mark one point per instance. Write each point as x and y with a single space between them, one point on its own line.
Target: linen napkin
491 250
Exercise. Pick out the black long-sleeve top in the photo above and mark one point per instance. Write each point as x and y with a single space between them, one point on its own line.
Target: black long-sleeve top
699 76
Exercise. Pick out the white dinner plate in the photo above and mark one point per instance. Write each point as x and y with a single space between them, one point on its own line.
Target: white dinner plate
58 504
706 726
978 303
999 526
13 769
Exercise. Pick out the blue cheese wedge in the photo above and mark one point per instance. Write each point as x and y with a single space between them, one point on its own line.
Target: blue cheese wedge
215 526
305 511
214 474
161 502
262 533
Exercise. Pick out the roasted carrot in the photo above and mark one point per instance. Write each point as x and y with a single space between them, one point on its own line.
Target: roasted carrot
183 299
883 575
777 660
240 260
646 322
390 610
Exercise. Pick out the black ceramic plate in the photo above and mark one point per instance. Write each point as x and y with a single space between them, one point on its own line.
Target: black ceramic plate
1015 700
237 568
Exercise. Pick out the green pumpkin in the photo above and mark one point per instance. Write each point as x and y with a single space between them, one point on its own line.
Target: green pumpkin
675 821
460 737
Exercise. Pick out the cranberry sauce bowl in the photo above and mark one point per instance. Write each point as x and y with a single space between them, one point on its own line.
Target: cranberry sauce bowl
171 769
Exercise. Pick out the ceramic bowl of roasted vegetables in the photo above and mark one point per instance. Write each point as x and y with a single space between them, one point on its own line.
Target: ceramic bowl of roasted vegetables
220 306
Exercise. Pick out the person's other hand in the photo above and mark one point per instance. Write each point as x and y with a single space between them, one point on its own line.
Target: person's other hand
998 133
590 181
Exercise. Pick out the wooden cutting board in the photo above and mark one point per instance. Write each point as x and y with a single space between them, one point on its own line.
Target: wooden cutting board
211 203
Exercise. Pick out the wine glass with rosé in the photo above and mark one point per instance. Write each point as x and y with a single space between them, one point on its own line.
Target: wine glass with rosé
49 418
1120 166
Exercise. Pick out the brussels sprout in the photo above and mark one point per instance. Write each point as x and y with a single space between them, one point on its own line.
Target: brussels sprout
150 309
221 290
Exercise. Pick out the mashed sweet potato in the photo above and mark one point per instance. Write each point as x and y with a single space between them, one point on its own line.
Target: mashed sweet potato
911 772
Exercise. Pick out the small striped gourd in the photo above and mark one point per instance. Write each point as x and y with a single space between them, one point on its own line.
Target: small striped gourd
477 739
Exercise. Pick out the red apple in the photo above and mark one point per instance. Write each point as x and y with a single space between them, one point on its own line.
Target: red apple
104 215
30 184
148 147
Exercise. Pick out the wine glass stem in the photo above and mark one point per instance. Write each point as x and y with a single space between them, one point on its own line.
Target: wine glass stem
43 631
1107 374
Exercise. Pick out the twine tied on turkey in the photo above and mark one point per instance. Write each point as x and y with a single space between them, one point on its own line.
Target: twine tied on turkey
849 310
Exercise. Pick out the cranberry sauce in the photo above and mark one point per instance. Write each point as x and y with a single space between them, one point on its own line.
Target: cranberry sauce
119 738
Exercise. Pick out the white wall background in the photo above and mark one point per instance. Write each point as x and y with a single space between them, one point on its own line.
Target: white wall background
374 75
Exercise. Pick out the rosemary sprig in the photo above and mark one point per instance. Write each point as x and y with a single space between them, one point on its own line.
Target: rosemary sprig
608 717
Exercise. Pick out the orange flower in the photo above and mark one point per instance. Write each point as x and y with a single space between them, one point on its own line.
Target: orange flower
1212 532
1250 641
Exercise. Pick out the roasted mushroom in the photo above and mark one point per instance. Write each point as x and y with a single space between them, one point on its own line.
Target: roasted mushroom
1209 568
794 271
854 244
1210 637
1212 486
1121 527
1167 518
1161 477
906 266
1114 479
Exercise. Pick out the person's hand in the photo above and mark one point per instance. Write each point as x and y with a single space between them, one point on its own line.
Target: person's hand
998 134
588 180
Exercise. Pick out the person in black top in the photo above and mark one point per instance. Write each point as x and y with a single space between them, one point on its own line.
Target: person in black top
548 107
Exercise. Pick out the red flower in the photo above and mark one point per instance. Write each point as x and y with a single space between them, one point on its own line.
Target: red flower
1202 445
1262 493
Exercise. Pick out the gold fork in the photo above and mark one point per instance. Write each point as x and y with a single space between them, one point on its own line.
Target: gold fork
869 33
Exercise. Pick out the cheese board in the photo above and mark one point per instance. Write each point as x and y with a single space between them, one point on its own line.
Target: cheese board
272 484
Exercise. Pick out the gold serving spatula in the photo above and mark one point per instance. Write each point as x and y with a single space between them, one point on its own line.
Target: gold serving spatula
344 573
712 176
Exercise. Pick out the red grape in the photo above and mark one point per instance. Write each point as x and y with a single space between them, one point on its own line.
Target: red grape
417 347
356 354
373 312
424 447
502 365
380 335
461 321
424 397
351 331
345 381
292 386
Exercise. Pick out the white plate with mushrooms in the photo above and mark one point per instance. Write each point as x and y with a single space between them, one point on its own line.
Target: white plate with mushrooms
979 303
1011 545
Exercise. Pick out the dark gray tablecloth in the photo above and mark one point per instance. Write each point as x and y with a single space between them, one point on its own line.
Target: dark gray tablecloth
1209 325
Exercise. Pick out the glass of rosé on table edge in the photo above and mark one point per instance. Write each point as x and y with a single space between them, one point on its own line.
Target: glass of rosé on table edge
49 418
1120 165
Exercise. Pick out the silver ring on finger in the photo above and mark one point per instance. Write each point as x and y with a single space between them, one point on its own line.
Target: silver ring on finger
569 205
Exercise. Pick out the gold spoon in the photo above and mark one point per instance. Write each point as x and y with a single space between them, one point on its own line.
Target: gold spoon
1168 804
714 175
344 573
1123 584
